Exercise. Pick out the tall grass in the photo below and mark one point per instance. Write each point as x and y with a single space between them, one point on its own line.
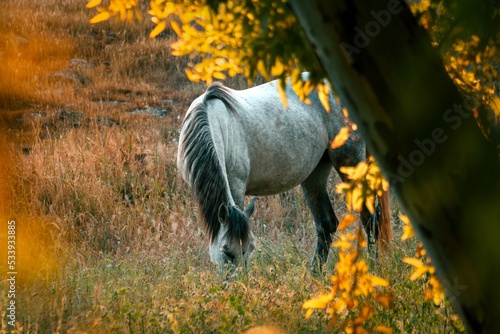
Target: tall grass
108 235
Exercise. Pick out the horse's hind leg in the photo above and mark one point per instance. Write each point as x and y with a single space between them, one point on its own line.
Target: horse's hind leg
350 154
318 201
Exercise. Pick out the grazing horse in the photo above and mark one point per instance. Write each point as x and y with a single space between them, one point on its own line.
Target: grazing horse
235 143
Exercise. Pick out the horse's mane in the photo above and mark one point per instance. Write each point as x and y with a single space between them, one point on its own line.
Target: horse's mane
204 172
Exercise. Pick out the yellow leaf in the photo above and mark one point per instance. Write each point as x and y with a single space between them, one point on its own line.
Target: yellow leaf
357 199
438 297
382 329
346 221
345 112
332 321
366 311
340 305
342 244
319 302
437 292
419 272
362 242
408 231
362 267
359 329
297 85
307 88
103 16
369 202
385 300
414 262
428 294
138 14
309 312
176 28
219 75
340 138
324 96
282 93
360 171
277 68
495 105
220 61
192 76
123 13
158 29
478 58
263 71
93 3
420 252
378 281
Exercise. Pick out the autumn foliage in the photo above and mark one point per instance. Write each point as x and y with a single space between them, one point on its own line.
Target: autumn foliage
355 294
229 38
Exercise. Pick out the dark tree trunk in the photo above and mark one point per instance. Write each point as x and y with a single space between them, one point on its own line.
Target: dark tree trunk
424 137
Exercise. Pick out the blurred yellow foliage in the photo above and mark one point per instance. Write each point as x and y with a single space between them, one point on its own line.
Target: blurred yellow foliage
408 231
422 266
226 40
354 296
341 137
265 330
365 182
124 10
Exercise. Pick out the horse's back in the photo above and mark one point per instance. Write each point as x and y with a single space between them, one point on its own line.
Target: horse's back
264 147
284 145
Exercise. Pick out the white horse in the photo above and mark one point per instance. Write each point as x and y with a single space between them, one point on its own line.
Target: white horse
237 143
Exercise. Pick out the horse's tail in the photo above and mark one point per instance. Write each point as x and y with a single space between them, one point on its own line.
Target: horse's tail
384 226
200 166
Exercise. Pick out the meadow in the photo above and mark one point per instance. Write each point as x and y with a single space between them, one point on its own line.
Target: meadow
107 234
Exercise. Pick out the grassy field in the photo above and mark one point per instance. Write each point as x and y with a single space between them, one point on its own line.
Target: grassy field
107 235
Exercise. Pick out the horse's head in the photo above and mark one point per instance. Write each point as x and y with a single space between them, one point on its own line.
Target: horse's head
234 243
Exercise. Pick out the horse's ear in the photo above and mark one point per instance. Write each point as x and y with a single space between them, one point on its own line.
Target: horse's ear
223 213
251 207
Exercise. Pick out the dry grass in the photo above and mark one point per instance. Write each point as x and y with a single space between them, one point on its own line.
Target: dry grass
108 238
